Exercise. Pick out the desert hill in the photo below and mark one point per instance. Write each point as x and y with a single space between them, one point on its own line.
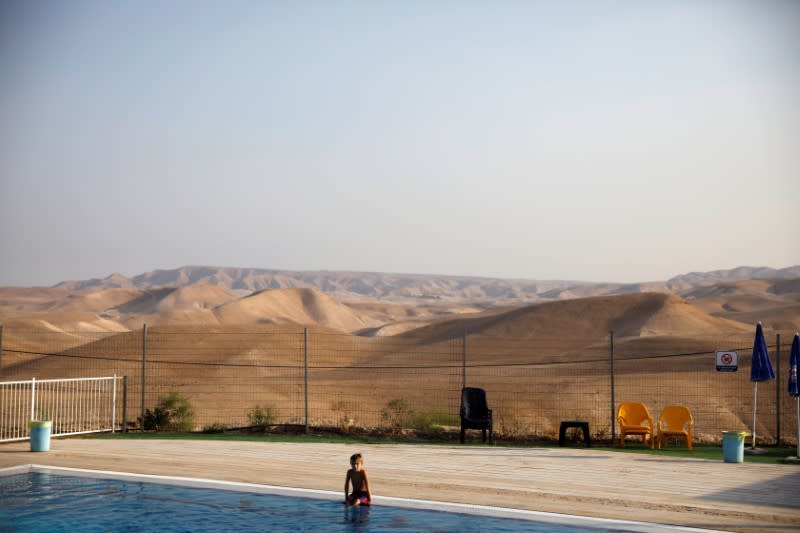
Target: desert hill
30 299
747 295
290 306
529 357
59 322
190 304
345 286
632 315
568 324
684 282
776 303
375 304
537 347
195 297
415 288
208 346
96 302
380 305
206 305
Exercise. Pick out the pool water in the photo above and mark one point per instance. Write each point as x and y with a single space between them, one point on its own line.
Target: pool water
43 502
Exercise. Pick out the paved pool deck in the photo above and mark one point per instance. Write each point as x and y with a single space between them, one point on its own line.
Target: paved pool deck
579 481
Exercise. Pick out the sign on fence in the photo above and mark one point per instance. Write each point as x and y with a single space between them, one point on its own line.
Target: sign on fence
727 361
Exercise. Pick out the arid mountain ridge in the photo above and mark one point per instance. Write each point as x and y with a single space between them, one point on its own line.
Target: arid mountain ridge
407 288
374 304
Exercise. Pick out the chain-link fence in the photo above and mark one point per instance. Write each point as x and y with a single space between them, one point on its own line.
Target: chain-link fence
325 379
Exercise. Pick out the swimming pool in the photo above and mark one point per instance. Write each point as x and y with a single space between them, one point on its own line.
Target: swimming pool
49 499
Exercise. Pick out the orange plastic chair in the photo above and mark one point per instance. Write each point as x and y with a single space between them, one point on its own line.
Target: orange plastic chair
675 420
635 419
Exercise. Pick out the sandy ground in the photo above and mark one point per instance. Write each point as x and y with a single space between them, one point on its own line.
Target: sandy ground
688 492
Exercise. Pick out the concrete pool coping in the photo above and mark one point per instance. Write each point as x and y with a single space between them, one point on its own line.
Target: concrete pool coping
692 493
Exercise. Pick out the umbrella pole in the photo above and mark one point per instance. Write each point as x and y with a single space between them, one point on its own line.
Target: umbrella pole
755 402
798 425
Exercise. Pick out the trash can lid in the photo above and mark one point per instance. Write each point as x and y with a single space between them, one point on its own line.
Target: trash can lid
40 423
735 433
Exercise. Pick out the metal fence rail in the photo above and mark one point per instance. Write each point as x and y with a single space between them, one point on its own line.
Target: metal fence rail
75 406
322 378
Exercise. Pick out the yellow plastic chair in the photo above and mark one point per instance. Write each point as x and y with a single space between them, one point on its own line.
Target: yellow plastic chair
635 419
675 420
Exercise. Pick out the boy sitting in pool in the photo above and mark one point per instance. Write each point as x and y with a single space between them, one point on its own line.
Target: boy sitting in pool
357 476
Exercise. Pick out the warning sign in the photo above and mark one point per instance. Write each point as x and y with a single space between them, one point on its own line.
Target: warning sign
727 361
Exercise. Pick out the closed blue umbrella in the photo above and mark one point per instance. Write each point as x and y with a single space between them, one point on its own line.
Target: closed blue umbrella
761 370
794 363
794 386
762 367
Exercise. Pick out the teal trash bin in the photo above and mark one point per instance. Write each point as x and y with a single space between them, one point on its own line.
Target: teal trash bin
40 435
733 446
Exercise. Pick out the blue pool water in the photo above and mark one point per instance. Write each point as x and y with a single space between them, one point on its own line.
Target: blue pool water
41 502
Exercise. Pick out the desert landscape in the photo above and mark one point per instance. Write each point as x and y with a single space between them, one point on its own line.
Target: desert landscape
390 351
368 303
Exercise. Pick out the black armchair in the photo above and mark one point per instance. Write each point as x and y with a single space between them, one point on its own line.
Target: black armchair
475 412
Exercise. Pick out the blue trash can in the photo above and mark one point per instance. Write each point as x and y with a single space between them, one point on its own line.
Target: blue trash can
40 435
733 446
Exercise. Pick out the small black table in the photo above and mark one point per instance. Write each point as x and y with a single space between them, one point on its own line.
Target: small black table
578 424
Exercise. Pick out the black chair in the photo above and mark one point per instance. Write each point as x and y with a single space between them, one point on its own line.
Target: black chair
475 413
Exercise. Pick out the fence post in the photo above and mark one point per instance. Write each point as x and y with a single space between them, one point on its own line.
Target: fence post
613 391
144 367
305 373
114 404
1 350
124 404
464 359
778 388
33 398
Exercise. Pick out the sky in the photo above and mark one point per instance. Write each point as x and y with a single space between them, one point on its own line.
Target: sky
591 140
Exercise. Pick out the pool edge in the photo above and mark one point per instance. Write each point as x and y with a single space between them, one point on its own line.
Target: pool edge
433 505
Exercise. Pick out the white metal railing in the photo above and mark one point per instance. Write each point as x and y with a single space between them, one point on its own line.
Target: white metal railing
75 406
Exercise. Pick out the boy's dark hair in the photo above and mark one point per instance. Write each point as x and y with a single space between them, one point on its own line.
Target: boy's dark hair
355 457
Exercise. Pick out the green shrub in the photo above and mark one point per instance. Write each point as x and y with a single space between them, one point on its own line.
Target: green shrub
431 422
156 419
216 427
397 414
261 416
174 412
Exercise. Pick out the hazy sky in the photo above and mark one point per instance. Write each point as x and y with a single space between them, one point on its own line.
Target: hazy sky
591 140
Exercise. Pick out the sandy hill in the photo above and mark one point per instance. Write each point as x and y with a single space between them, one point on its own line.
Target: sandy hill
249 349
381 305
782 319
786 286
691 280
601 289
349 286
415 288
291 306
30 299
398 318
98 301
208 345
196 297
110 309
749 295
633 315
191 304
774 302
155 301
72 322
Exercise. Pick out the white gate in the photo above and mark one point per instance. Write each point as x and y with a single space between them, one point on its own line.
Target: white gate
75 406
